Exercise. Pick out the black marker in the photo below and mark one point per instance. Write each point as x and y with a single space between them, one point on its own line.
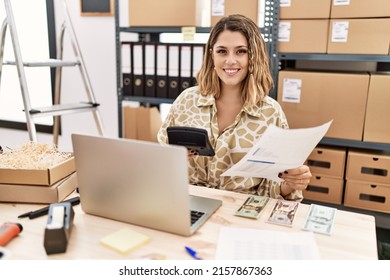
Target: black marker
45 210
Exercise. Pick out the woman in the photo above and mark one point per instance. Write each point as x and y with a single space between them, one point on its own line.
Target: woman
231 102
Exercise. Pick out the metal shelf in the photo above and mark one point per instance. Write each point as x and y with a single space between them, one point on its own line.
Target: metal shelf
151 33
150 100
160 29
170 29
355 144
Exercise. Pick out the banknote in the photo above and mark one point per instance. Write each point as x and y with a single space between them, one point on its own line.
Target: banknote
252 207
283 212
320 219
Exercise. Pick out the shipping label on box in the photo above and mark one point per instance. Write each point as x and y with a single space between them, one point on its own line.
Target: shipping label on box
292 90
340 31
284 31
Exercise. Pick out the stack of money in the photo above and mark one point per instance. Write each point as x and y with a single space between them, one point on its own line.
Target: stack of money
320 219
252 207
283 212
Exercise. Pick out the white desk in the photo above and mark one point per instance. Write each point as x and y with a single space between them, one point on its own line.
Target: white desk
353 235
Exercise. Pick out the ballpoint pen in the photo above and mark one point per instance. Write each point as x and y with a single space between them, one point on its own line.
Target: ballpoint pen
192 253
45 210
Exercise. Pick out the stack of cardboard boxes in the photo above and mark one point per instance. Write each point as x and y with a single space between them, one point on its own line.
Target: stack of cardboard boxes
356 101
368 181
49 185
334 26
327 167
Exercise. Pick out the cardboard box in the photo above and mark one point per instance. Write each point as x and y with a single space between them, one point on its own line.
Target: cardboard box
360 9
324 189
376 126
46 177
141 123
220 9
368 167
359 36
314 98
368 196
39 194
303 36
328 162
168 13
304 9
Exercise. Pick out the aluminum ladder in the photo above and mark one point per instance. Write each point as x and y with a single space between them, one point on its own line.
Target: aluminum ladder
57 109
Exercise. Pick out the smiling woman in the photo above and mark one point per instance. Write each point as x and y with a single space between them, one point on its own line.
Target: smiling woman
36 35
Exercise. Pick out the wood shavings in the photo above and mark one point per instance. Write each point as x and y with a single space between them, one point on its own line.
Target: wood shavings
33 155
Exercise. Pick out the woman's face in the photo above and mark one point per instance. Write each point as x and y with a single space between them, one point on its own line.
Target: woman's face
230 57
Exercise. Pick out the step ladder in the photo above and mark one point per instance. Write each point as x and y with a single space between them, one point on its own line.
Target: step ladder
57 109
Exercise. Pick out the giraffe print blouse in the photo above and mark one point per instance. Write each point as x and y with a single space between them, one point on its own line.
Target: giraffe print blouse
195 110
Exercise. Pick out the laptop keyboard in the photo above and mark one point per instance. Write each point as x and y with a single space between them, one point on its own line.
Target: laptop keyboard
195 216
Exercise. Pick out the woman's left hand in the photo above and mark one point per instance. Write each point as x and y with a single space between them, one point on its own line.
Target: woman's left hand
296 178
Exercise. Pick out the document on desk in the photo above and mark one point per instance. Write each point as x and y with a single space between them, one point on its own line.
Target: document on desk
278 150
253 244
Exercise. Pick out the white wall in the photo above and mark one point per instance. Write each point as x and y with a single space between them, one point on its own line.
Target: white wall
96 37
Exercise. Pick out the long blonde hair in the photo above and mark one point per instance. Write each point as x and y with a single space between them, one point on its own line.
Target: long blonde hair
258 82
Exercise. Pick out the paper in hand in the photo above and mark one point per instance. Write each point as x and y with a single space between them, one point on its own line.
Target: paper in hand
320 219
283 212
278 150
252 207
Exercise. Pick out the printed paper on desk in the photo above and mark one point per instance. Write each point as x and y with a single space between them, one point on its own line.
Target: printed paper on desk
254 244
278 150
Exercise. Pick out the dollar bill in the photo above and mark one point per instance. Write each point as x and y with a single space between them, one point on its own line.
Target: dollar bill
283 212
252 207
320 219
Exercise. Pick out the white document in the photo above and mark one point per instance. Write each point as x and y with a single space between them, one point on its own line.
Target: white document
278 150
253 244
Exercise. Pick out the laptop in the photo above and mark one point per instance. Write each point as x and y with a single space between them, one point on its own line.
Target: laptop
138 182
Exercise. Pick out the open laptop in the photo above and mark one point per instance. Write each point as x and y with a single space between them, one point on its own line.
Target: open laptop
138 182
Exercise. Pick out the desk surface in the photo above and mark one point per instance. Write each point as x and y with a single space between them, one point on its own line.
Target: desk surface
353 235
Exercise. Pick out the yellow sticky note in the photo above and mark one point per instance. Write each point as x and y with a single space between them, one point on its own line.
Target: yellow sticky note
124 240
188 33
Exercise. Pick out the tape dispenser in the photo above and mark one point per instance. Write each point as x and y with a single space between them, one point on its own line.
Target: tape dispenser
58 228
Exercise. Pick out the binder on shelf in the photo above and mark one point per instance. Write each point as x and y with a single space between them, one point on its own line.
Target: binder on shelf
197 60
185 67
150 70
127 88
173 71
162 71
138 69
127 84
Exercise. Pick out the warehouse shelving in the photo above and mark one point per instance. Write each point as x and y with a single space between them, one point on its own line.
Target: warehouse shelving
152 34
